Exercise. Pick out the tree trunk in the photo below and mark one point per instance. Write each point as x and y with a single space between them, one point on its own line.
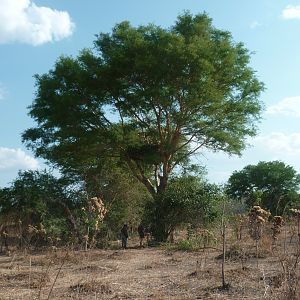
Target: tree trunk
159 228
160 233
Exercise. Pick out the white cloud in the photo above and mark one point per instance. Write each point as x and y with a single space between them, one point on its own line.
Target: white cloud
254 24
280 145
1 93
291 12
288 106
23 21
16 159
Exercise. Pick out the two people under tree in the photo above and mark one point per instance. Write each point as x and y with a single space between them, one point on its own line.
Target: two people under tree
142 231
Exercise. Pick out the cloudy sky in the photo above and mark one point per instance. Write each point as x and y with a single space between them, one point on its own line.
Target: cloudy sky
33 34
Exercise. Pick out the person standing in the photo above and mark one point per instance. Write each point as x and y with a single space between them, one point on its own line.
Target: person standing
124 236
141 231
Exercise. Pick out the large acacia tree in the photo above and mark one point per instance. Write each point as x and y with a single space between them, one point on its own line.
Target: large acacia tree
149 96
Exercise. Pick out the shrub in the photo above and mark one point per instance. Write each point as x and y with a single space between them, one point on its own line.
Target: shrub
187 199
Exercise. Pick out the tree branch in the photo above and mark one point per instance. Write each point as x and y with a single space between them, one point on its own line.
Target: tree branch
141 177
189 153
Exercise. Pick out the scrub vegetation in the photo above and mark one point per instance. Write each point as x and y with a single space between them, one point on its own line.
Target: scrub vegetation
122 124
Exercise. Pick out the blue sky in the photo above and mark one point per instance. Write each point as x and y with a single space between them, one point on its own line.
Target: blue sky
33 34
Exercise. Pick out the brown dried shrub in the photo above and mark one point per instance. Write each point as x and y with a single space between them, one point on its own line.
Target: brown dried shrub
92 286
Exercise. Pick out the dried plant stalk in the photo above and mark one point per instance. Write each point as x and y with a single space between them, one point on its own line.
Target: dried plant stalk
276 228
257 219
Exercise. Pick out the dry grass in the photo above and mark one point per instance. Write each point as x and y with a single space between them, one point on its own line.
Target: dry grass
90 287
155 273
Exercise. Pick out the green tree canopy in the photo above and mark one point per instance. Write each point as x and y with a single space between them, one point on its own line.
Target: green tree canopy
187 199
273 184
38 197
148 95
124 197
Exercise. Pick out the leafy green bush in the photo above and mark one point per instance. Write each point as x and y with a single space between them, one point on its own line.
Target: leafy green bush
188 199
183 245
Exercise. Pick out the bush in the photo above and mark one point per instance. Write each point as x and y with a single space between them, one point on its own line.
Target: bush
187 199
183 245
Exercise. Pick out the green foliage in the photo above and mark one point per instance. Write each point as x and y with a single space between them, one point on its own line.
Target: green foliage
123 196
26 199
148 95
273 185
187 199
183 245
57 229
62 205
194 242
36 198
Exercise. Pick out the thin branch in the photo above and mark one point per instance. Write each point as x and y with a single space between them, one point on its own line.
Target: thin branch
186 143
141 177
189 153
158 120
62 263
43 278
145 123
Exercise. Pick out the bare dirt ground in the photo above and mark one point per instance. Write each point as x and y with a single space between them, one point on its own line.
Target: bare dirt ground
147 273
